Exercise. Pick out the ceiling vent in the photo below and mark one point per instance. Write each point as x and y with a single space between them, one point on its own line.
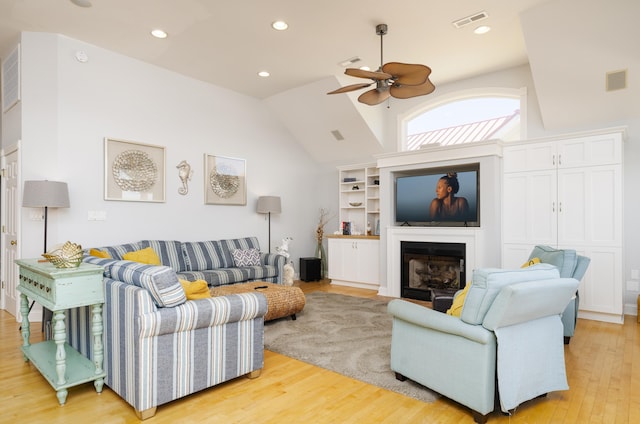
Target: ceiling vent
616 80
337 135
470 19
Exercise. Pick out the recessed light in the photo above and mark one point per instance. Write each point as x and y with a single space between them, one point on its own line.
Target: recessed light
279 25
263 74
158 33
482 29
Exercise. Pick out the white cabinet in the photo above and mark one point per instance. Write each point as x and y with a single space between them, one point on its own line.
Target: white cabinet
567 193
359 197
353 261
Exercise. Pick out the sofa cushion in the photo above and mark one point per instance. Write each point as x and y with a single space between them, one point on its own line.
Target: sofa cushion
160 281
246 257
564 259
228 246
487 283
202 255
170 252
118 251
218 277
195 289
99 253
143 256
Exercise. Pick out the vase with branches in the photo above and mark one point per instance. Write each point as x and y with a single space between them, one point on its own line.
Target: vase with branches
325 216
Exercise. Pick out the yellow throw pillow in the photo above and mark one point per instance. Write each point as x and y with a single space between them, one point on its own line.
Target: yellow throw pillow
99 253
144 256
195 289
530 262
458 302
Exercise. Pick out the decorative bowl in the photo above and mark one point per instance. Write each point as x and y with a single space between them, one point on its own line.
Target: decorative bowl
356 204
68 256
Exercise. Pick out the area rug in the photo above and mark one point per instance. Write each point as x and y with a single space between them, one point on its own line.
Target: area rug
345 334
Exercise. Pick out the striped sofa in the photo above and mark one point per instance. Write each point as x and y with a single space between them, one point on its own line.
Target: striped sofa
159 346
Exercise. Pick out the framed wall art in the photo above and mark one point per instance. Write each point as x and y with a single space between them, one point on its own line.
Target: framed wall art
133 171
225 181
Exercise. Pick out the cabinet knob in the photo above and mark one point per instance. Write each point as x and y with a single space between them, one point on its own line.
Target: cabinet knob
13 243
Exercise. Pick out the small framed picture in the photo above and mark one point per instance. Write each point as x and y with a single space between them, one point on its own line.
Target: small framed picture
225 180
133 171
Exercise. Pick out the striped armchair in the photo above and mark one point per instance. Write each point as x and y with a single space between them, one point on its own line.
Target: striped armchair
158 346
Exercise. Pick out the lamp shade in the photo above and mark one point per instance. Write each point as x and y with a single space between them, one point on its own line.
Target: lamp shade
52 194
269 204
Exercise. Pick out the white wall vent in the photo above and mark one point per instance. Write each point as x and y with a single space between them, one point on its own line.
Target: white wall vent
616 80
470 19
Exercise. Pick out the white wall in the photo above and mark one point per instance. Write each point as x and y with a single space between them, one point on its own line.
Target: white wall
68 107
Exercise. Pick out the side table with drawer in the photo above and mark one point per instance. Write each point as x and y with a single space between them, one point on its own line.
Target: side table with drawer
59 289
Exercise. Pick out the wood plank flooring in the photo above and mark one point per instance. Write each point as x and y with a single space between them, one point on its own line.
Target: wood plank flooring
603 364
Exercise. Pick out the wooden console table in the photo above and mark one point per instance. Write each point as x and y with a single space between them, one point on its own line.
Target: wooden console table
59 289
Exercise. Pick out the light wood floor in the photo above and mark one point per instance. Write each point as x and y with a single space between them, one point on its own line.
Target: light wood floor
603 364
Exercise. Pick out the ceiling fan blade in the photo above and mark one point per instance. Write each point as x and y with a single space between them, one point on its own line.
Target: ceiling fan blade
351 87
361 73
373 97
408 91
406 73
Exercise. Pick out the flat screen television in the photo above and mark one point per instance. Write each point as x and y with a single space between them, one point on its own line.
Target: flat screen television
446 196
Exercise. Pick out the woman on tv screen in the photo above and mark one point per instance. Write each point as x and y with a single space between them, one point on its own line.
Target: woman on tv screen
446 206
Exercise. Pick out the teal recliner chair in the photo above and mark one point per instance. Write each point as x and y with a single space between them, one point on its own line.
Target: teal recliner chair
504 349
570 265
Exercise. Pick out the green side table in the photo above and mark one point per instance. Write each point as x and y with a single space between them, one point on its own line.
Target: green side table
59 289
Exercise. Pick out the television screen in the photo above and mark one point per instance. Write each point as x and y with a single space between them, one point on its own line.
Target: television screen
438 196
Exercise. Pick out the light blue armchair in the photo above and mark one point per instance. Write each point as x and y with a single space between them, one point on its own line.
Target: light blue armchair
571 265
509 334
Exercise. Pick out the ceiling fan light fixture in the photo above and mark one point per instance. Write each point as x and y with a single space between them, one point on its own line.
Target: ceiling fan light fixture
393 79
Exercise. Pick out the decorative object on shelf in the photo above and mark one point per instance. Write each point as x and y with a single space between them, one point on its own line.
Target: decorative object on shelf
349 179
268 205
320 251
184 173
355 187
376 182
355 204
133 171
225 180
283 249
368 228
68 256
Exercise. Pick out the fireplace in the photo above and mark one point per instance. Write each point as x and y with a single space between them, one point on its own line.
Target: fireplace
429 265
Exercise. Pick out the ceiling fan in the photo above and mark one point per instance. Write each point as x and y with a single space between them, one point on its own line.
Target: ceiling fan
393 79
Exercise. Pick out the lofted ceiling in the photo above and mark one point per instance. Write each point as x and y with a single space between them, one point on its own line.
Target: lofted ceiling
569 44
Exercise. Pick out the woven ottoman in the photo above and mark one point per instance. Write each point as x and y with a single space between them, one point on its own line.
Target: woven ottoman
282 301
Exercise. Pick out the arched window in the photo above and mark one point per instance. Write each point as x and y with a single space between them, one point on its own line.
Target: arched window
465 118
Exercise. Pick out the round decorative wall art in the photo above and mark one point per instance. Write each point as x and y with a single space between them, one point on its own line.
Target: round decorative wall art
134 170
224 180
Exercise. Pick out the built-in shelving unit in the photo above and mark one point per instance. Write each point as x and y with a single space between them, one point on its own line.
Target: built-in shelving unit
359 191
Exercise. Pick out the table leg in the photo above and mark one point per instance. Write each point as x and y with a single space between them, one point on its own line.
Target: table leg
26 331
98 349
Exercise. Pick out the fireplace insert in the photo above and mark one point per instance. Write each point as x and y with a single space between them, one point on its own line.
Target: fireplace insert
428 265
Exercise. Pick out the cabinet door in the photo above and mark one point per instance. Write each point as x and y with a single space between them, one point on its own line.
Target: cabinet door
605 149
367 252
530 208
529 157
590 206
601 288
